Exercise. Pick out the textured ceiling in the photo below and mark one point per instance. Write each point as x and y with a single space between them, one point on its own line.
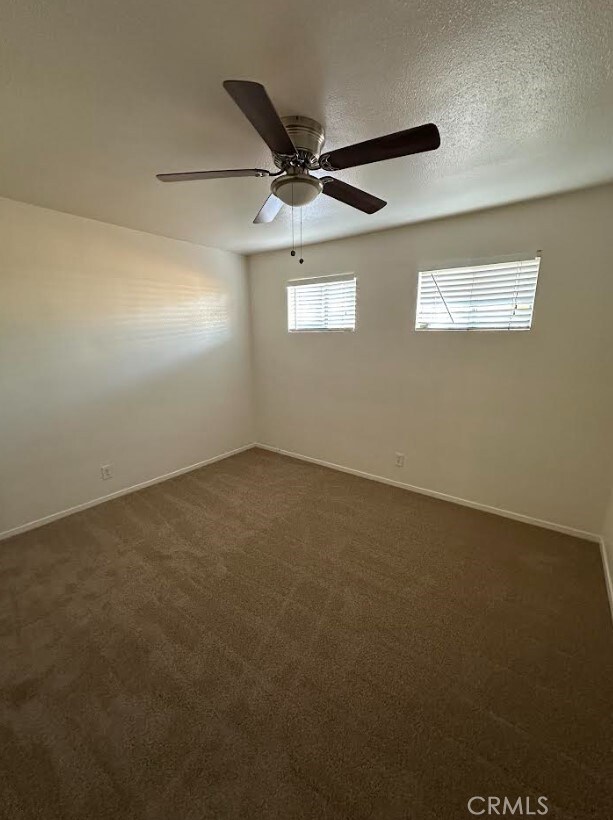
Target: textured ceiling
96 97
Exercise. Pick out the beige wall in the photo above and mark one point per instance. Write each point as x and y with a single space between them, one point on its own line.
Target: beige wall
115 347
518 421
125 348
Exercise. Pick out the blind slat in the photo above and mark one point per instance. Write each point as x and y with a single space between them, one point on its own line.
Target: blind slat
498 267
476 288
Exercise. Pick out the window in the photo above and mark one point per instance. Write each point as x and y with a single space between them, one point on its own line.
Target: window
326 303
480 297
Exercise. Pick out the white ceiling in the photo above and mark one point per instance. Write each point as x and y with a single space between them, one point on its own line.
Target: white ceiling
96 97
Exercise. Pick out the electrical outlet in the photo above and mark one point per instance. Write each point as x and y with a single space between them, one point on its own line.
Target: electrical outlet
106 471
399 459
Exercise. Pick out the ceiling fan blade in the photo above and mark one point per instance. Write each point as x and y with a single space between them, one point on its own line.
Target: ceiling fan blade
352 196
400 144
232 172
269 210
256 105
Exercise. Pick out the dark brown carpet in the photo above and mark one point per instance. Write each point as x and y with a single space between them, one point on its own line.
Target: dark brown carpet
265 638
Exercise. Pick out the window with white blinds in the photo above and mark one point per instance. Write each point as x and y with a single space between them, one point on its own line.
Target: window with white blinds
480 297
326 303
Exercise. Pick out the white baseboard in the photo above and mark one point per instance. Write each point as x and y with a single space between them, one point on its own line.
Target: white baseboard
608 571
526 519
39 522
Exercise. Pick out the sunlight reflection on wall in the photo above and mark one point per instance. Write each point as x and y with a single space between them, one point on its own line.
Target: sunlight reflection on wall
167 324
118 330
194 313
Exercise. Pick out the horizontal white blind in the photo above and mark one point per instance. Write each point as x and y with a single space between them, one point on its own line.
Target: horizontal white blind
479 297
321 304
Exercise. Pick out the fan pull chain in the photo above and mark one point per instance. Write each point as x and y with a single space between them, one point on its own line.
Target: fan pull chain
293 251
301 260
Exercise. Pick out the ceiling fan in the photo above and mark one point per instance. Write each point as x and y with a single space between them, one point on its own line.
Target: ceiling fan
296 144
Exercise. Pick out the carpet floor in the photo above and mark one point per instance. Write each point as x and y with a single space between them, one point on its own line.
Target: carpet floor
266 638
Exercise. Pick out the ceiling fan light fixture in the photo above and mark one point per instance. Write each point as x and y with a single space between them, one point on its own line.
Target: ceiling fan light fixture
296 190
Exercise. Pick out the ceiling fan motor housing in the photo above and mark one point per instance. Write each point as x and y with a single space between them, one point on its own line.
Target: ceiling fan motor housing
308 137
296 187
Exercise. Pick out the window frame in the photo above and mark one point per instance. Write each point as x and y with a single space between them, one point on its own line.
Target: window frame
481 263
312 280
